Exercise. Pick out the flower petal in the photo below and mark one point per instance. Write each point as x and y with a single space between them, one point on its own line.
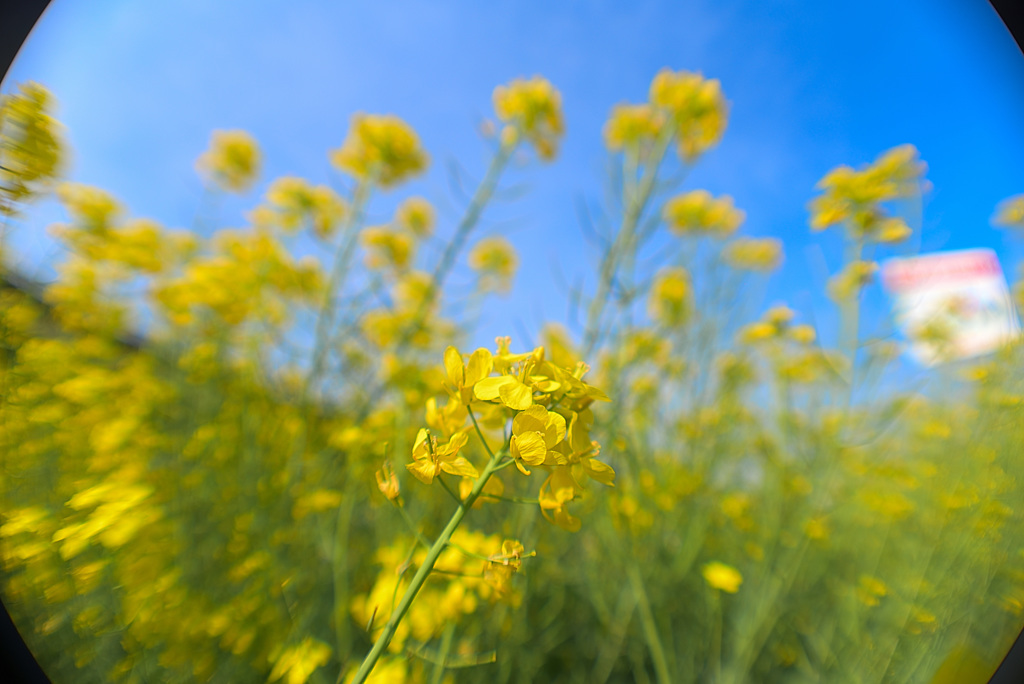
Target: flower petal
533 419
424 470
554 430
479 367
488 389
602 472
453 366
516 395
530 447
459 466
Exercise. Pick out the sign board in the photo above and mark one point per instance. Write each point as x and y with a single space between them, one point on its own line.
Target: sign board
951 305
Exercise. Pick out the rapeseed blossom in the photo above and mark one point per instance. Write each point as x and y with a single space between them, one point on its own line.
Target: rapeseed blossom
197 477
858 198
431 458
295 664
670 299
233 160
754 254
532 108
633 127
416 215
1010 212
31 151
387 247
294 203
380 148
697 212
494 258
722 577
696 109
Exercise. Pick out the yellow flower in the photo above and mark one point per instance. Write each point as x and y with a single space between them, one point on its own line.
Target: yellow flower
779 316
296 663
316 501
632 126
380 148
534 108
849 282
494 258
754 254
816 528
387 482
558 490
31 152
893 230
95 209
699 212
669 302
870 590
697 108
387 247
431 458
295 201
233 160
292 198
498 572
516 389
803 334
416 215
535 431
1010 212
856 197
464 377
722 576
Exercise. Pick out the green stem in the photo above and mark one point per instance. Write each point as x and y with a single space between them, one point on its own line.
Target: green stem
342 260
424 570
446 647
632 211
650 628
716 635
339 568
469 220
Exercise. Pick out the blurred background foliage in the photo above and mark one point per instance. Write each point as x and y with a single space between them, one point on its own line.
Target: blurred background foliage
204 440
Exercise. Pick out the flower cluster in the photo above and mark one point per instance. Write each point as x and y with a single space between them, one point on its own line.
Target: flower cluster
633 127
670 301
549 409
249 276
382 148
696 108
754 254
697 212
1010 213
683 107
776 323
31 153
475 568
293 203
851 280
495 260
533 109
233 160
857 198
416 215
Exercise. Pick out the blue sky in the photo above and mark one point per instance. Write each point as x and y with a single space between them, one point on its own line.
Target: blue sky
811 85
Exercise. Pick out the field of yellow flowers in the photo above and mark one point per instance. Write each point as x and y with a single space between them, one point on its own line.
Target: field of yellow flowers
300 474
